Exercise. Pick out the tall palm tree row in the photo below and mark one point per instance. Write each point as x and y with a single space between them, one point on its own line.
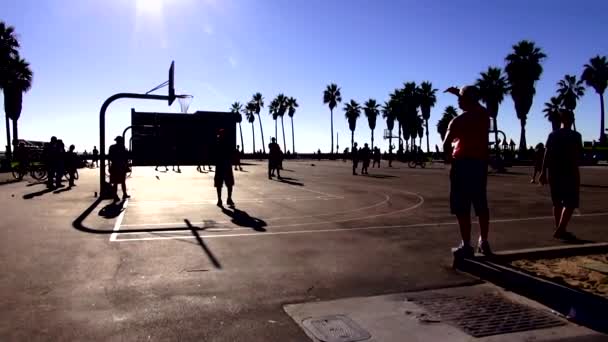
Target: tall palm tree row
551 110
281 110
389 115
273 110
332 96
237 110
371 109
15 79
523 69
595 75
258 103
292 105
449 113
352 111
493 86
569 92
427 100
250 115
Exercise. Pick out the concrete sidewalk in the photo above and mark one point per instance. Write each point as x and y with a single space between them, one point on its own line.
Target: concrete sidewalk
402 317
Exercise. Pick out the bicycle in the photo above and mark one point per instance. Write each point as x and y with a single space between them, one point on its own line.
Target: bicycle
36 171
417 162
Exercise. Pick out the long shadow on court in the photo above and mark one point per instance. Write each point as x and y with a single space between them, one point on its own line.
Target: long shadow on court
290 181
200 241
380 176
37 193
597 186
241 218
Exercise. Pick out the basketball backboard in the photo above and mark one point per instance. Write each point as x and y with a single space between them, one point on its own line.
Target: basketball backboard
171 83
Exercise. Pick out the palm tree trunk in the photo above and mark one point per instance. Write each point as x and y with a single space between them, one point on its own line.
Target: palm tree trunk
293 139
372 139
331 111
523 147
242 143
399 135
352 140
8 139
283 129
253 136
426 128
496 134
15 131
275 129
390 143
262 133
602 130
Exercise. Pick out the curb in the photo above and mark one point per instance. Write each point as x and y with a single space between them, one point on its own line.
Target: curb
579 306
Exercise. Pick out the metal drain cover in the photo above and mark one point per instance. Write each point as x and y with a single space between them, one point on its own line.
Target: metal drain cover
486 314
335 328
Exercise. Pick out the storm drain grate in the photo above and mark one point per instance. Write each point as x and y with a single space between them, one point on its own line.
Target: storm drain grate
335 328
486 314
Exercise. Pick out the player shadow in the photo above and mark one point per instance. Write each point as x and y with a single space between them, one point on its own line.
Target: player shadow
10 181
38 193
243 219
67 188
112 210
380 176
203 245
290 181
597 186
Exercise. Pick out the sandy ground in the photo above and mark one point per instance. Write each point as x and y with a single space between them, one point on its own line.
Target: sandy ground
571 271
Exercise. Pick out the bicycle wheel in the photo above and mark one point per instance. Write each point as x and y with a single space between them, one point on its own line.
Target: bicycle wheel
17 174
38 174
412 164
423 164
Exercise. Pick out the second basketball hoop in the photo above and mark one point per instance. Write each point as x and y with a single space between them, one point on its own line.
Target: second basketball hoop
184 102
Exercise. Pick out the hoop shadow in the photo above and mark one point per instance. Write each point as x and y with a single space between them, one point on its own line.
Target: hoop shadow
10 181
67 188
200 241
38 193
290 181
243 219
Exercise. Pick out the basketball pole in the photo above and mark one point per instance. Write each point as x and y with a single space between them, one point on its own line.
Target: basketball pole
105 190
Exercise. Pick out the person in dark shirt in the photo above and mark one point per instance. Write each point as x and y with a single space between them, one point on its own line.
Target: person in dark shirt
49 157
365 157
119 166
274 158
59 158
354 155
237 159
539 155
223 168
95 160
71 164
560 169
377 157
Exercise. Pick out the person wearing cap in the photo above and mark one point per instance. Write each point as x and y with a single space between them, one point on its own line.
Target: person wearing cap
466 147
274 158
223 168
119 166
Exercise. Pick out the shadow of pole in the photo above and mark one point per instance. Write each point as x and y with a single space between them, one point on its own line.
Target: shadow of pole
198 238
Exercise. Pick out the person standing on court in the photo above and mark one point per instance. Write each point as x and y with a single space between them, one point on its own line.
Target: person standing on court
119 166
466 147
71 164
365 154
564 149
60 157
237 159
274 158
539 155
354 155
49 158
95 160
223 168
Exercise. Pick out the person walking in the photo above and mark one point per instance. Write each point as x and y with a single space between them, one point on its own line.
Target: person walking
71 164
560 169
354 155
365 158
49 157
223 168
237 159
59 163
95 160
539 155
119 166
274 158
468 133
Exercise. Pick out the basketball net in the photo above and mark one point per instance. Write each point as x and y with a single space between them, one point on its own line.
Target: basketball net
184 102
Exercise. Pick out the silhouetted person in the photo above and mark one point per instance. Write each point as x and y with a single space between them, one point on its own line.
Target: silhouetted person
59 163
119 166
319 154
390 155
539 155
49 156
365 155
274 158
354 155
237 159
21 157
175 159
469 172
223 168
560 168
71 164
376 157
95 159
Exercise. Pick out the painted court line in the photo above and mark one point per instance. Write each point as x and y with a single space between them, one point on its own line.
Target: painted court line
417 225
119 221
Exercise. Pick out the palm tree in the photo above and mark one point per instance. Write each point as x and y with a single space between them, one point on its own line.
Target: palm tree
281 110
449 114
352 111
8 51
371 110
408 103
523 70
331 97
258 102
595 75
292 104
551 110
273 110
570 91
18 81
250 115
427 100
395 106
493 86
237 109
389 115
420 130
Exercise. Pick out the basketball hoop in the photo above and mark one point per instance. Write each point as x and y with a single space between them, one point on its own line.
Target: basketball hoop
184 102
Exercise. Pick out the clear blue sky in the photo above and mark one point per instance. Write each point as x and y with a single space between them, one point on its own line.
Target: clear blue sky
83 51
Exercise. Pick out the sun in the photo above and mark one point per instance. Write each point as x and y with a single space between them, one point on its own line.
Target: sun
149 7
